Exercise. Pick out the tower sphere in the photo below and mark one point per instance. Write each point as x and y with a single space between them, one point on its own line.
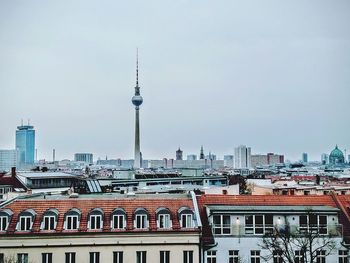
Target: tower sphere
137 100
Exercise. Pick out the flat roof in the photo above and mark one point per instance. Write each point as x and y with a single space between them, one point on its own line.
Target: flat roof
47 175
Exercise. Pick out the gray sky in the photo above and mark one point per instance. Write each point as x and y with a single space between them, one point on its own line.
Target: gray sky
274 75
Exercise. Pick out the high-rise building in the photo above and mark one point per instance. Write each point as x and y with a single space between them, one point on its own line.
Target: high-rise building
324 158
179 154
228 160
84 157
25 145
191 157
266 159
304 158
201 154
8 159
210 156
137 101
242 157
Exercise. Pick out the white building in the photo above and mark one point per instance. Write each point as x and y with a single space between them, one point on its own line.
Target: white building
234 227
242 157
84 157
8 159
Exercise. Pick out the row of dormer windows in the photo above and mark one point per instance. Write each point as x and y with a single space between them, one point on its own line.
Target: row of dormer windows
95 219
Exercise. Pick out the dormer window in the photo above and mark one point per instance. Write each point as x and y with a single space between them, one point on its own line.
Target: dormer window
118 219
25 220
186 217
49 221
141 218
163 218
5 217
72 219
95 219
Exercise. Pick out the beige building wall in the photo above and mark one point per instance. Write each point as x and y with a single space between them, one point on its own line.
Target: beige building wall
152 243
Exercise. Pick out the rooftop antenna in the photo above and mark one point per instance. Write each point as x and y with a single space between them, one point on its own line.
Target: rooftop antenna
28 122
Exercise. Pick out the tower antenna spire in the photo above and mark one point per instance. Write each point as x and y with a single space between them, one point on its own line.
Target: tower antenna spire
137 67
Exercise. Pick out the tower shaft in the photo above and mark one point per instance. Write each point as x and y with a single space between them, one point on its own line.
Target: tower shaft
137 157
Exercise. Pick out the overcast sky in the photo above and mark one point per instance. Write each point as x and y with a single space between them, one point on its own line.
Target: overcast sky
273 75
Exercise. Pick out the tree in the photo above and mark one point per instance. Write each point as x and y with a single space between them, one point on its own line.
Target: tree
300 244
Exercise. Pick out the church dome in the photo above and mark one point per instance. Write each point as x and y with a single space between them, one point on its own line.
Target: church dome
336 156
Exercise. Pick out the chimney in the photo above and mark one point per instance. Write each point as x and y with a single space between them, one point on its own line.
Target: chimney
13 171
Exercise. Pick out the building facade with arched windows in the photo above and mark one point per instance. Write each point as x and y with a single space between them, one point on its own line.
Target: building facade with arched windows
107 228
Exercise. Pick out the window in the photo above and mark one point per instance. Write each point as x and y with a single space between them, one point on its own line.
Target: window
118 257
258 224
72 219
2 258
164 221
222 224
49 223
321 256
186 221
71 222
343 256
211 256
118 222
164 257
233 256
3 223
313 223
188 256
46 257
70 257
255 256
94 257
140 256
299 256
141 221
22 258
277 257
25 223
95 222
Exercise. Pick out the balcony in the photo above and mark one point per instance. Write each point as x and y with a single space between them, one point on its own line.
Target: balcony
238 230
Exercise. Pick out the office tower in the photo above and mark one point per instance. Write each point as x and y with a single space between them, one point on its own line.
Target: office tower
8 159
304 158
137 101
179 154
242 157
211 156
25 145
324 158
191 157
201 154
228 160
275 158
84 157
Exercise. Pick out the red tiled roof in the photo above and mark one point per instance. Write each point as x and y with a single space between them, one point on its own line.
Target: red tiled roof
13 181
86 205
258 200
344 204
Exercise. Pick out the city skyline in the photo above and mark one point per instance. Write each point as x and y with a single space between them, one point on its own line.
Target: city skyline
276 80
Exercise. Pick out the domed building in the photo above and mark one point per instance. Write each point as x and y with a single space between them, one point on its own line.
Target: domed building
336 156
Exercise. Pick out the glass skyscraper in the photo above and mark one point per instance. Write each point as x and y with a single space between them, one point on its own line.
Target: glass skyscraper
25 144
